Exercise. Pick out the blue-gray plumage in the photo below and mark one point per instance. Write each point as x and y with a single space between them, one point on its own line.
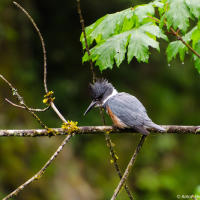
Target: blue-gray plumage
125 110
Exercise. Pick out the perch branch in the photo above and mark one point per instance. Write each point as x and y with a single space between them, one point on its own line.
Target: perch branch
39 174
93 130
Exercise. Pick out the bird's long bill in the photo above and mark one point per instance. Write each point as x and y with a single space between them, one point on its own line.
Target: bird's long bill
93 103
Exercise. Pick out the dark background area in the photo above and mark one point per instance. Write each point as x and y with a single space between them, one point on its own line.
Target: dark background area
168 165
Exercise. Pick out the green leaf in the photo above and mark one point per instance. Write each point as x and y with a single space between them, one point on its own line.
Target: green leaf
107 26
158 4
177 47
195 35
142 11
196 58
88 31
194 6
154 30
113 49
178 15
138 41
139 45
188 36
174 48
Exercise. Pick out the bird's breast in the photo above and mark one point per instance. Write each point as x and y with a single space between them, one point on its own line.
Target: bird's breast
117 122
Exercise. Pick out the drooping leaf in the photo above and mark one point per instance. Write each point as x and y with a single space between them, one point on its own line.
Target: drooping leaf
138 41
174 48
194 6
178 15
139 46
177 47
113 49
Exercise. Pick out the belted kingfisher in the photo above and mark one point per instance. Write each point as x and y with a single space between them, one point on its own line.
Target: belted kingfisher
125 110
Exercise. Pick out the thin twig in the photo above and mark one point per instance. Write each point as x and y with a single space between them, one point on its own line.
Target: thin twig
42 43
44 58
58 112
94 130
23 107
178 36
21 101
85 38
129 167
39 174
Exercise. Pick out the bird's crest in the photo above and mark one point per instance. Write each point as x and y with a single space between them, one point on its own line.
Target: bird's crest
99 88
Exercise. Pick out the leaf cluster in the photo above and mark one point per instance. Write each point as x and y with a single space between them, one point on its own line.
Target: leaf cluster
132 32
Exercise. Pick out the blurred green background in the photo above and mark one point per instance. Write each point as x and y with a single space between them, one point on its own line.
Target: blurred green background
167 166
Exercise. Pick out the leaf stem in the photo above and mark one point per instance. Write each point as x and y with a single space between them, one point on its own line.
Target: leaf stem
178 36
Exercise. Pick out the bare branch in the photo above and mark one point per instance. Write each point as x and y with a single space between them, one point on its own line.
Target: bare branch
93 130
21 101
44 58
129 167
23 107
39 174
85 38
42 42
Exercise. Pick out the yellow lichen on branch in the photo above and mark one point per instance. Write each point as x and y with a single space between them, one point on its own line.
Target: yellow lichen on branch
48 98
70 127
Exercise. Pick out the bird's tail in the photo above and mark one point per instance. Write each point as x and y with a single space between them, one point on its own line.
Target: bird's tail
157 127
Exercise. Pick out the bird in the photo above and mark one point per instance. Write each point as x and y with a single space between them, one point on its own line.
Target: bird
125 110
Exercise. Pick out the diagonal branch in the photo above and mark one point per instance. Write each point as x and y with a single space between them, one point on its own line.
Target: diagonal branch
114 156
39 174
128 168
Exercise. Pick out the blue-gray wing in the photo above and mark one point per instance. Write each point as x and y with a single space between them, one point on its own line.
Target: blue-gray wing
129 110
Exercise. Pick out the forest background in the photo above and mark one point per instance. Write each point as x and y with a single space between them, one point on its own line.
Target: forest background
168 164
